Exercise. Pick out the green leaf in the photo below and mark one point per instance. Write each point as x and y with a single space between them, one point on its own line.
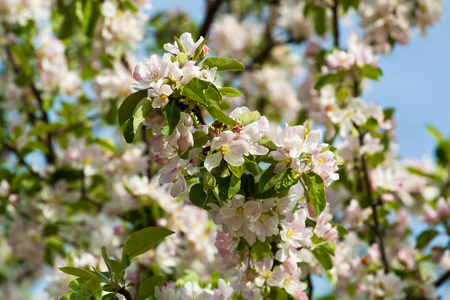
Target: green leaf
230 92
329 78
173 117
147 287
200 138
128 132
208 181
143 240
371 72
216 112
223 64
93 12
268 143
342 231
199 55
316 192
66 173
128 106
141 113
278 293
110 296
248 117
235 186
82 273
320 20
435 133
289 179
212 93
113 265
260 250
236 170
197 195
323 257
269 179
388 113
66 297
425 238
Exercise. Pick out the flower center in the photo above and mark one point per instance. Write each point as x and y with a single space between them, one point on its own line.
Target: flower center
224 150
290 233
239 211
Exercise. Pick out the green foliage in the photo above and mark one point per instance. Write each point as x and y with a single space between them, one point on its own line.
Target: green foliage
173 117
197 195
260 250
82 273
371 72
147 287
230 92
223 64
323 254
316 192
129 105
143 240
425 238
330 78
248 117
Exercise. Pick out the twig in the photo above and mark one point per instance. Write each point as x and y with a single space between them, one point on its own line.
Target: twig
373 204
336 23
125 293
86 196
10 146
199 116
442 279
212 9
51 158
311 287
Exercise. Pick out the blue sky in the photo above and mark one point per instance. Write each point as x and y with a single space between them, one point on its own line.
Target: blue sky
415 82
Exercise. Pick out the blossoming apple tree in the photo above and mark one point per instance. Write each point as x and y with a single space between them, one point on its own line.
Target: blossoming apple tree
238 160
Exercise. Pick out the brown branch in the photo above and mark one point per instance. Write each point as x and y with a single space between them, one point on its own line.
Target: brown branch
335 9
311 287
198 114
442 279
373 204
10 146
125 293
212 9
51 158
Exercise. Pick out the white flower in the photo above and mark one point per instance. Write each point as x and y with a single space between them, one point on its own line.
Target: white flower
231 150
187 42
160 93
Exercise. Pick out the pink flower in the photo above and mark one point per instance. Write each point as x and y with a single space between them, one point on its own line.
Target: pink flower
340 59
290 282
238 216
160 93
231 150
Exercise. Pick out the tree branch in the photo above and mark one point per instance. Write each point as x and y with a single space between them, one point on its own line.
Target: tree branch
442 279
311 287
10 146
336 23
125 293
212 9
51 157
373 204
